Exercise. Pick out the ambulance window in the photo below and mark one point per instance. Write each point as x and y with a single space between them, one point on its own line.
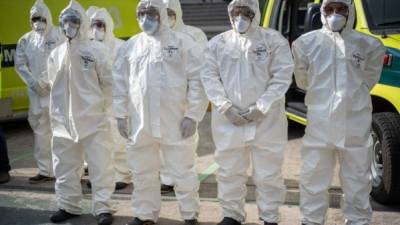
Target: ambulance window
289 17
299 12
284 18
383 16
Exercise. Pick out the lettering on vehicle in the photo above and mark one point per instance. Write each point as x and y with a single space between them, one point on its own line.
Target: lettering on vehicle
8 53
87 61
171 51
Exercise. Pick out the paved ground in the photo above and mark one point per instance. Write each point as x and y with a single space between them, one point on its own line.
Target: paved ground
25 204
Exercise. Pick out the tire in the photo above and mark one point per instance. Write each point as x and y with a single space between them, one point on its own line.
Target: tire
386 162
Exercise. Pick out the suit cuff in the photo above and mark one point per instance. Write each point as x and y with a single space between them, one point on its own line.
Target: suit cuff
224 107
263 106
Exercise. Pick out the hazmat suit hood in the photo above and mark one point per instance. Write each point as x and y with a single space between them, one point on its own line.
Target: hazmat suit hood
350 20
253 5
41 9
91 11
95 13
83 33
176 6
160 6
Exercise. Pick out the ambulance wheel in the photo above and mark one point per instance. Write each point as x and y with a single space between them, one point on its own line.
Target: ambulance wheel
385 165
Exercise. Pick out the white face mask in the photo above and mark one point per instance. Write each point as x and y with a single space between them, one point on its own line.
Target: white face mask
171 22
148 25
98 34
39 27
242 24
336 22
70 31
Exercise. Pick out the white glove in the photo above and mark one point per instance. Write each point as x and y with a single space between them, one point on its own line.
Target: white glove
43 83
233 115
188 127
39 89
252 114
122 124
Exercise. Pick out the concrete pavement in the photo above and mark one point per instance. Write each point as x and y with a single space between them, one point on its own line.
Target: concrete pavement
22 203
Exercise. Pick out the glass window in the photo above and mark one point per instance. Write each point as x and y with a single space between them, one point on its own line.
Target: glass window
383 15
302 8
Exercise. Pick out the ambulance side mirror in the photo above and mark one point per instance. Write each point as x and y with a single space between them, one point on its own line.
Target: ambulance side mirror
312 20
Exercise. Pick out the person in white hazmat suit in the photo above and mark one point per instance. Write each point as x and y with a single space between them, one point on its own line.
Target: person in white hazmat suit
337 66
80 82
248 71
175 22
158 102
31 56
102 27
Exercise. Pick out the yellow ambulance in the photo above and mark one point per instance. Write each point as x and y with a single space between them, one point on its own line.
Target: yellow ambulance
14 22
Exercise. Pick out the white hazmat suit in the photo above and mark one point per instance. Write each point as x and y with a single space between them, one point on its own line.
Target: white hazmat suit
199 37
156 85
31 56
197 34
80 80
244 71
121 170
337 70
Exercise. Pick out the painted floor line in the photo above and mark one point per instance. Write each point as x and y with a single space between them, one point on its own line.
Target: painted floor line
202 176
24 202
206 173
21 157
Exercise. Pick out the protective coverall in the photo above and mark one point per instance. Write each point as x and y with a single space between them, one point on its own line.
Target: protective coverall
31 56
243 70
198 36
118 147
80 80
338 70
157 84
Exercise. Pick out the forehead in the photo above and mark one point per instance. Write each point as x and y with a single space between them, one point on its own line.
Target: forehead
241 7
336 5
244 10
98 20
147 8
37 13
70 13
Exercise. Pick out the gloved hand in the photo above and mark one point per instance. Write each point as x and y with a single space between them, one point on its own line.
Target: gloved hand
252 114
39 89
233 115
43 83
122 124
188 127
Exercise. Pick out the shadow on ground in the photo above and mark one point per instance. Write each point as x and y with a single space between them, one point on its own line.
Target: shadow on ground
41 217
